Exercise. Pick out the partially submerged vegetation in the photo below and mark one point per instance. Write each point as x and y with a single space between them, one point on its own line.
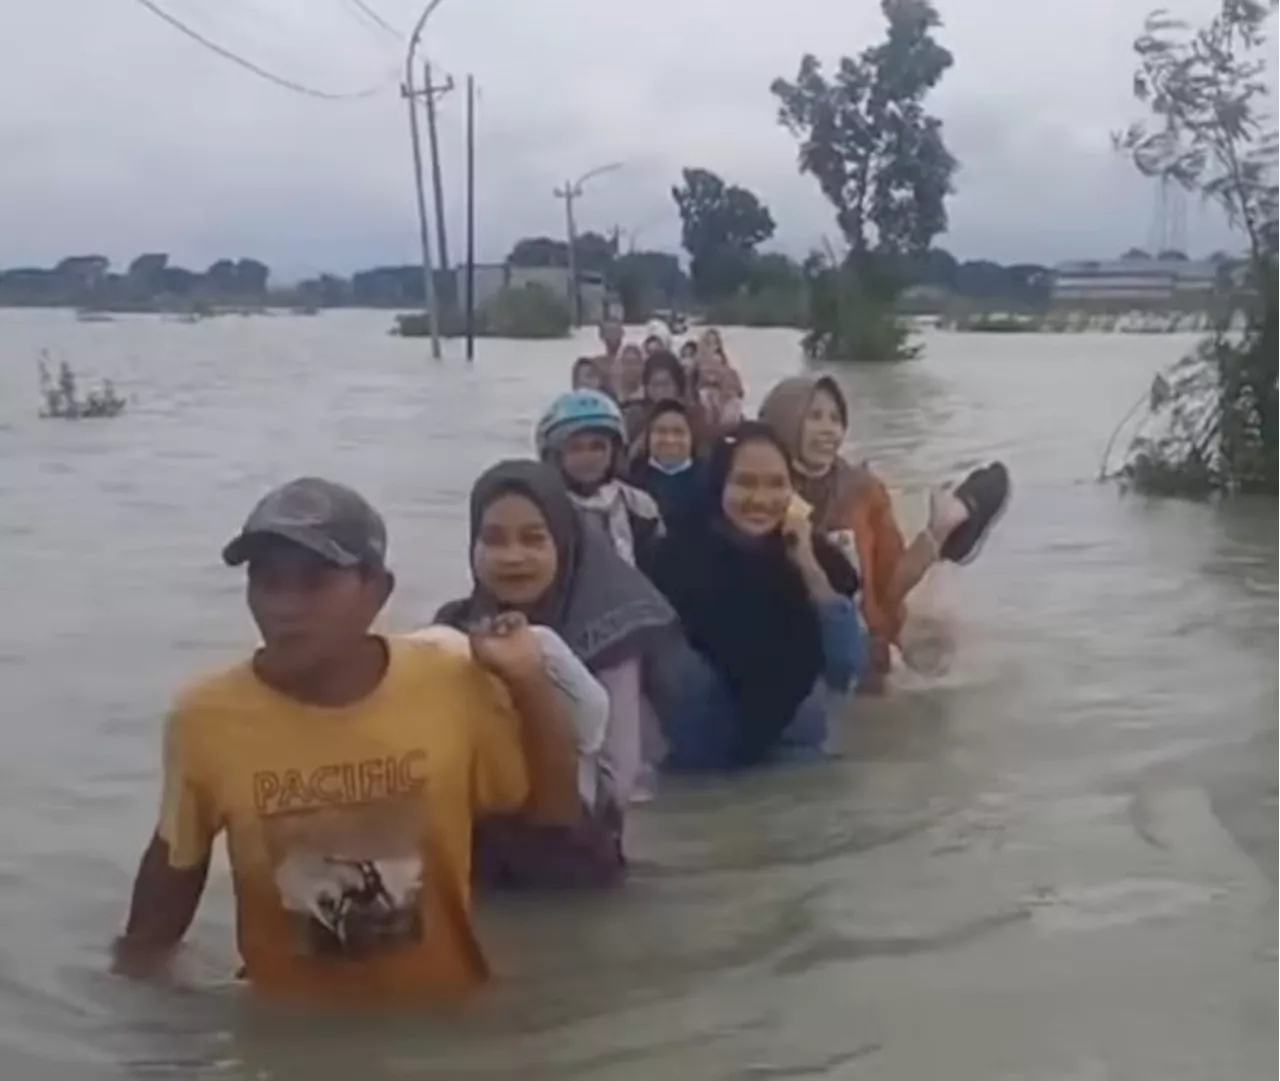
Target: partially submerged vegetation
1209 424
526 311
62 399
851 312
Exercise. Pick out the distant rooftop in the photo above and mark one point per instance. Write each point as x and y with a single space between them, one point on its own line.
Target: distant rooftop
1184 269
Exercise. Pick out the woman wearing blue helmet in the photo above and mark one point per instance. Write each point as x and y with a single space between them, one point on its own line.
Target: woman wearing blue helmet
583 435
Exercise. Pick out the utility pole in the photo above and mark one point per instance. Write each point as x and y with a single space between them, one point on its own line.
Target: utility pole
570 192
410 94
430 304
429 94
471 219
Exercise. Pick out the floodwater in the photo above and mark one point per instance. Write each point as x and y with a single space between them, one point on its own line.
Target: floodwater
1057 863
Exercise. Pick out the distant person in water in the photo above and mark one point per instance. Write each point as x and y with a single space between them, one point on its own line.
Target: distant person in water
766 605
851 505
664 380
654 343
665 463
347 769
657 338
594 617
588 375
628 383
611 334
711 344
688 357
719 388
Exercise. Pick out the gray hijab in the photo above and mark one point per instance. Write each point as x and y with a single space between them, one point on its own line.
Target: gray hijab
604 609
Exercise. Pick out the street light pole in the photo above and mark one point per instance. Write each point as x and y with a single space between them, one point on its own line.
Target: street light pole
430 93
410 94
471 218
569 193
429 305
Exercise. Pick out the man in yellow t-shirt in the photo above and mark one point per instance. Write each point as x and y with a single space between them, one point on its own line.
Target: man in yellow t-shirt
346 771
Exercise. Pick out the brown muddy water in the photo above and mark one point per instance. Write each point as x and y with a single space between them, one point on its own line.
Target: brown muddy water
1058 863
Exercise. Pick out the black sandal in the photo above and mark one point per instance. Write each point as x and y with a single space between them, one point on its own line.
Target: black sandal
985 493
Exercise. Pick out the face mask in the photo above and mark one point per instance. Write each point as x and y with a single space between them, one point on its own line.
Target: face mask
671 470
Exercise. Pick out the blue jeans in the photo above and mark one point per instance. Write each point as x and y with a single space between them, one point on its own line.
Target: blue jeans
698 716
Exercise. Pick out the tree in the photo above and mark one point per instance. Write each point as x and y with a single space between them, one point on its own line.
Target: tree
251 277
221 277
647 280
535 251
595 253
177 281
878 157
145 270
83 267
720 226
1210 132
774 294
1202 88
326 291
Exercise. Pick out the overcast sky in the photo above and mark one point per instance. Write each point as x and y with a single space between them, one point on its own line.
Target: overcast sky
118 135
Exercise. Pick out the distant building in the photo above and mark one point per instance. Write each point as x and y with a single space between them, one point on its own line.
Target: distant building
1142 282
492 278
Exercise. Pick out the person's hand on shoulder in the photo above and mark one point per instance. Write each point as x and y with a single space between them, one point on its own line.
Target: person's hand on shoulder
507 647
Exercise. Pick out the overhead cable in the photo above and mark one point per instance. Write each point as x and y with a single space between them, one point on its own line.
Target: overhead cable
249 65
370 13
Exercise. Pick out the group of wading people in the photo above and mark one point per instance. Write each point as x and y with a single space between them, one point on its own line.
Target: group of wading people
662 586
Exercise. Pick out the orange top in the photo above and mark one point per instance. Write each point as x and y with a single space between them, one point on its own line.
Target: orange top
348 830
868 514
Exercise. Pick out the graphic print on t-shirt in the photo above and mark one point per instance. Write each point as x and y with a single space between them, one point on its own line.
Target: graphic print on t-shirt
349 873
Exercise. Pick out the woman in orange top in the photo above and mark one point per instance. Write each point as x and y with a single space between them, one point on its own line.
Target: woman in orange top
810 414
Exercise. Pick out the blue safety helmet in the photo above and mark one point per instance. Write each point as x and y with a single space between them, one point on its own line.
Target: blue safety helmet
578 411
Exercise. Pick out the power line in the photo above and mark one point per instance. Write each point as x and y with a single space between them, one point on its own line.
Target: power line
370 13
249 65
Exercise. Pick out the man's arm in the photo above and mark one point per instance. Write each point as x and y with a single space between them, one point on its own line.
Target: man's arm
174 868
161 909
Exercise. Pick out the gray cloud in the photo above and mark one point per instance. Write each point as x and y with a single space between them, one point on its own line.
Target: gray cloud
122 135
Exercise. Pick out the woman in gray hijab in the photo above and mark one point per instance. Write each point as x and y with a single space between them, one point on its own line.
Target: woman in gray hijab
532 553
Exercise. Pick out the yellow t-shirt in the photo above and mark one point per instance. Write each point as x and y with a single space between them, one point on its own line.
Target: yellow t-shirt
348 830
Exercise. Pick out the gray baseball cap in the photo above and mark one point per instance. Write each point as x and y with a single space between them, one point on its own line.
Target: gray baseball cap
333 521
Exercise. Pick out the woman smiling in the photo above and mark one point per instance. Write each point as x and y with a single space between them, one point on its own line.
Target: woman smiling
530 556
766 607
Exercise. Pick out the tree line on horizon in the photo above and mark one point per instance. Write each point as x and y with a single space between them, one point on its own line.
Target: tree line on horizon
880 159
720 275
864 135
